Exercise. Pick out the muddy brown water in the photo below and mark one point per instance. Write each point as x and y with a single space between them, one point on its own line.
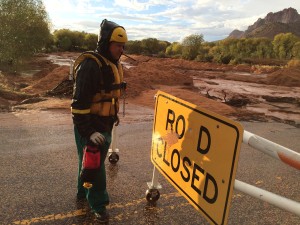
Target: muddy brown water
55 59
278 102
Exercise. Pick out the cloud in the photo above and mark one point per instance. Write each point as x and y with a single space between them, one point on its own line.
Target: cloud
131 4
170 20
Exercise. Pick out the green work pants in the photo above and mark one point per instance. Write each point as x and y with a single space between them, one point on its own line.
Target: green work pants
97 195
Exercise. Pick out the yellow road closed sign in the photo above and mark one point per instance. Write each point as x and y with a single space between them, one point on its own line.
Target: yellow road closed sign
197 151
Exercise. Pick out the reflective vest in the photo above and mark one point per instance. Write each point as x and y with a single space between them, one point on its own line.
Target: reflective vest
105 102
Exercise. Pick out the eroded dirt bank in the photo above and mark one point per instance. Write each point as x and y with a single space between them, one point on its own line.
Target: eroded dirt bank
243 92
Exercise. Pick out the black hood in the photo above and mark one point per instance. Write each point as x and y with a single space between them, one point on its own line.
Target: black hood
106 29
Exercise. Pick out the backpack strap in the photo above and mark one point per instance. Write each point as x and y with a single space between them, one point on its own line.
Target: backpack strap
85 55
107 78
100 61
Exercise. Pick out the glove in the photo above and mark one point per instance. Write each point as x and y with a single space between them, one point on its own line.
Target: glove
97 138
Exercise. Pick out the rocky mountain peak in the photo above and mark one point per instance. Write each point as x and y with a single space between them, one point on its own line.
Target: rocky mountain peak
285 16
284 21
289 15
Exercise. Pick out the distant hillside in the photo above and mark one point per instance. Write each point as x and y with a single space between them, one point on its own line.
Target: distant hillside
285 21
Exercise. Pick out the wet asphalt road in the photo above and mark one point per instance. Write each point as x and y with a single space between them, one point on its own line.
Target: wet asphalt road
38 167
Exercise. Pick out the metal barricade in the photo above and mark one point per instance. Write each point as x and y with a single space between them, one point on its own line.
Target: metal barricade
270 148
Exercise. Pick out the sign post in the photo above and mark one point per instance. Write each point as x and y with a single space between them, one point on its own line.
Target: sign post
197 151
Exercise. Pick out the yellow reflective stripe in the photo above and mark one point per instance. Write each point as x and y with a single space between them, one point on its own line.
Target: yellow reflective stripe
81 111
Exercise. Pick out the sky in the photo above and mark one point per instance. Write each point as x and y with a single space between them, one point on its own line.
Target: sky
167 20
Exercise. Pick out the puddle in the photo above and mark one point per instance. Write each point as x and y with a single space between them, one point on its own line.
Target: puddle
235 73
27 73
63 61
55 59
127 65
59 60
245 74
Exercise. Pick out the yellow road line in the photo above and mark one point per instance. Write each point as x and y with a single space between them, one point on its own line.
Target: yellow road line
81 212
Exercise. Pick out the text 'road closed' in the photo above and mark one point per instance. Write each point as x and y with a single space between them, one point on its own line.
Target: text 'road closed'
197 151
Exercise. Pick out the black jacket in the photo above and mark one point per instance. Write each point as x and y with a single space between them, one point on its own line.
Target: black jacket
86 86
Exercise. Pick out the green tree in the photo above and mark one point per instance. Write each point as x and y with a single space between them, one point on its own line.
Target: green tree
65 43
204 55
174 49
232 50
90 41
264 48
296 50
163 46
191 46
133 47
67 40
151 46
222 51
283 45
24 29
78 40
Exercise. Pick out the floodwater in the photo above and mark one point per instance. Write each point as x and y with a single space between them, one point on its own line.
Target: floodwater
252 89
60 60
284 103
127 65
55 59
30 72
246 74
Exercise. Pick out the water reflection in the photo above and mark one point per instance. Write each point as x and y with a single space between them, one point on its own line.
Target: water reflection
127 65
59 60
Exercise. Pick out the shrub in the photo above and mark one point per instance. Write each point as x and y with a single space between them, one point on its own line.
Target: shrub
294 63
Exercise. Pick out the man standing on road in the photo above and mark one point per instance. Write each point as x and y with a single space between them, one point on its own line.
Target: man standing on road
98 86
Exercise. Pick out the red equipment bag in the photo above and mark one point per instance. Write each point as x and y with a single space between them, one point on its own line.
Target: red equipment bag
91 157
90 163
